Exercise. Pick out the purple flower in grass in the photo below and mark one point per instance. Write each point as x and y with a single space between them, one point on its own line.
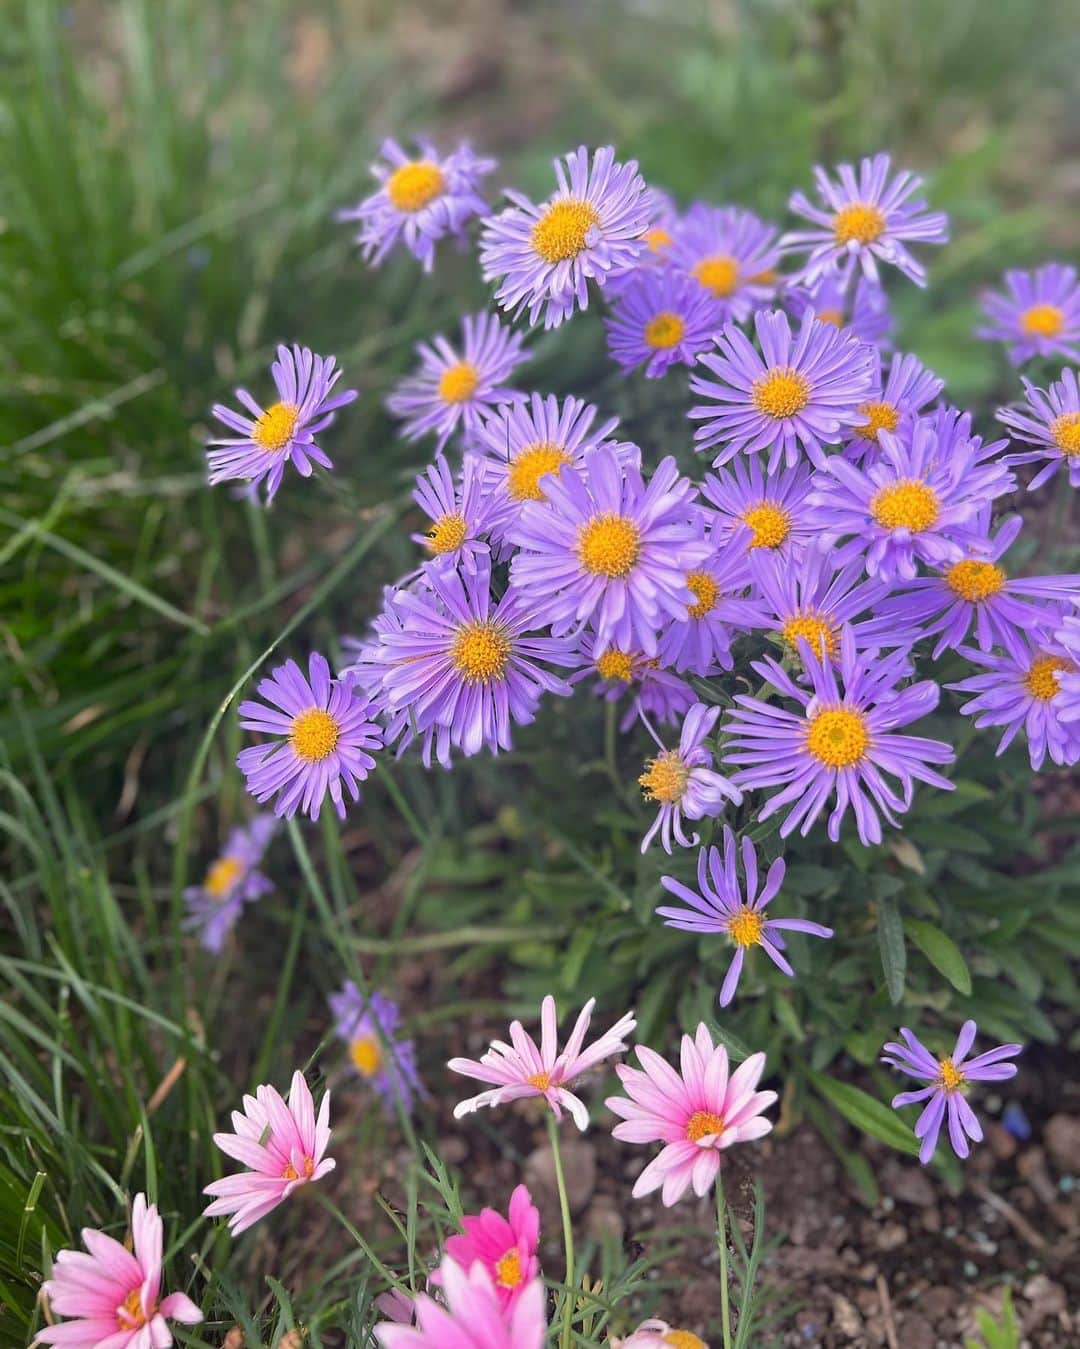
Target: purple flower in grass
270 438
232 881
658 693
1050 420
591 228
720 905
732 256
325 730
866 316
894 404
462 514
865 217
453 390
949 1080
699 641
1067 638
419 201
369 1027
766 512
684 781
1039 316
803 390
658 318
841 742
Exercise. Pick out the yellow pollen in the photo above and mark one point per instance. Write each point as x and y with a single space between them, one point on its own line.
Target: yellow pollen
414 186
973 580
684 1339
480 652
541 1081
705 592
1042 320
665 777
950 1077
833 316
366 1055
274 429
814 630
129 1315
745 927
525 472
910 504
837 737
859 223
701 1124
1043 679
291 1173
314 735
720 274
609 545
879 417
616 665
771 524
457 383
222 876
1066 432
657 239
508 1270
561 231
664 331
783 392
446 534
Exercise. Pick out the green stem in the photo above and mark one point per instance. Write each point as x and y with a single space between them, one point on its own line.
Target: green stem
567 1339
381 1269
721 1240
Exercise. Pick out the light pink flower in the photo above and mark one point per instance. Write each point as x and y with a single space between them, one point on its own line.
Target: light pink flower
112 1293
473 1317
659 1335
520 1069
290 1156
506 1247
696 1114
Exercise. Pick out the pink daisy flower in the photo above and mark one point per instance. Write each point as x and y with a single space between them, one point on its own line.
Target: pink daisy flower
283 1146
473 1317
520 1069
112 1294
506 1247
695 1113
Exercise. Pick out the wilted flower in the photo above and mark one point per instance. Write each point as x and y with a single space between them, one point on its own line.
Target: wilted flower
683 781
506 1247
369 1028
232 881
473 1316
1039 316
1051 420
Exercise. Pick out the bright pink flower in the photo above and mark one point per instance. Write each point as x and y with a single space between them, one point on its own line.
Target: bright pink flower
506 1247
112 1293
474 1316
290 1156
696 1114
659 1335
521 1069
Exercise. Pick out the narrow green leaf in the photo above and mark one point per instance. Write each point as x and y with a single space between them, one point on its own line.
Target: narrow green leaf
866 1113
942 952
890 931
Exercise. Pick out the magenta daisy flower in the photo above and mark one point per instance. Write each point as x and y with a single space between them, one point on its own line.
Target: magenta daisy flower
696 1113
866 316
232 881
471 1315
521 1069
684 782
864 218
801 391
607 550
369 1027
699 641
326 728
462 514
897 399
284 433
658 318
282 1145
420 200
591 228
763 511
661 695
732 256
1050 419
949 1080
841 742
1039 315
453 391
505 1247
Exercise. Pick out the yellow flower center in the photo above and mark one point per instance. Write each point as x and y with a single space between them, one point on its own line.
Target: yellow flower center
366 1055
657 239
837 737
129 1315
665 778
274 429
222 876
314 735
973 580
541 1081
701 1124
745 927
950 1077
664 331
1042 320
720 274
910 504
684 1339
1066 432
457 383
1043 679
771 524
781 393
291 1173
525 472
481 653
413 186
879 417
833 316
446 534
609 545
616 665
561 231
814 630
508 1269
705 592
859 223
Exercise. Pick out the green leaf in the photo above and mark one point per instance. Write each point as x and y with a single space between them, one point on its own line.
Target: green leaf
890 931
867 1113
942 952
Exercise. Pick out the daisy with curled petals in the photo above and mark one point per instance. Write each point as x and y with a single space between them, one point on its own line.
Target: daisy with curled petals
326 729
657 1334
842 743
420 200
684 782
453 391
660 317
282 1145
731 255
1039 316
907 389
865 315
592 228
865 217
719 905
270 438
506 1247
949 1080
801 393
471 1316
696 1113
232 881
764 511
462 514
520 1069
1050 419
112 1294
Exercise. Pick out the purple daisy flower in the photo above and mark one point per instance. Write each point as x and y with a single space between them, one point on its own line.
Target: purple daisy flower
284 433
663 216
592 227
658 318
719 905
1067 638
801 391
731 254
684 781
232 881
452 391
419 201
325 727
894 405
764 511
842 742
949 1078
369 1027
863 218
608 550
866 316
699 641
1051 420
462 515
1040 315
658 693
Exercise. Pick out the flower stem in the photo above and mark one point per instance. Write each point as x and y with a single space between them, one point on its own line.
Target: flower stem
567 1339
721 1240
392 1280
